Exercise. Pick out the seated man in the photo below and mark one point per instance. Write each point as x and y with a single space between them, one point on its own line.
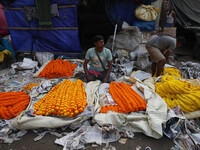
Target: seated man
99 58
6 50
159 48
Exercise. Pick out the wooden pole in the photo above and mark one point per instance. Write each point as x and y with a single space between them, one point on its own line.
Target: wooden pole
27 28
13 8
50 52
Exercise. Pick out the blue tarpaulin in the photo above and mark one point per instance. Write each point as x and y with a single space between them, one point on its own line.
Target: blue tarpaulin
123 10
44 40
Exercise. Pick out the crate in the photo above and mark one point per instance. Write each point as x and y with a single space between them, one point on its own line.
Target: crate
170 30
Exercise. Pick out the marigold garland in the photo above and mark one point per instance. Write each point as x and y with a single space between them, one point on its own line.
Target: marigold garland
128 99
58 68
66 99
12 103
30 86
171 71
176 92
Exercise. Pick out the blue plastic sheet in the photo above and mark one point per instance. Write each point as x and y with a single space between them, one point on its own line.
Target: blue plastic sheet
144 25
119 11
44 40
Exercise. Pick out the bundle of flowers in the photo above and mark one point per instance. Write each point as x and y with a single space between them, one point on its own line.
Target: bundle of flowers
66 99
12 103
58 68
128 99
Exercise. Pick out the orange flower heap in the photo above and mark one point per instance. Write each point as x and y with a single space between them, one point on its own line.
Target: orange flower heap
12 103
30 86
66 99
58 68
128 99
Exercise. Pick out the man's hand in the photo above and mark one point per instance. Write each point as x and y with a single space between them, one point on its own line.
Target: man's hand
167 54
105 80
89 78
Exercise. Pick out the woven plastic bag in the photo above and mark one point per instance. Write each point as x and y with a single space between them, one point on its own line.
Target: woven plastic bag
146 12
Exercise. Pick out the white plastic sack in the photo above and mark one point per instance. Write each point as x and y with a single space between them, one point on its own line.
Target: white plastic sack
43 57
26 64
142 61
132 55
117 53
127 68
129 38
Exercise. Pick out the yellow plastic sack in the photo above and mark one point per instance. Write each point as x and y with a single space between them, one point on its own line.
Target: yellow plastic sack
146 12
5 52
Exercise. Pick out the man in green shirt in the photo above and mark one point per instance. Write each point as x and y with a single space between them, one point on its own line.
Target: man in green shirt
100 60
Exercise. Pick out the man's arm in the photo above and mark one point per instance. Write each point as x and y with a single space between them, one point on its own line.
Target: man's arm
167 54
85 67
108 71
174 15
87 74
154 65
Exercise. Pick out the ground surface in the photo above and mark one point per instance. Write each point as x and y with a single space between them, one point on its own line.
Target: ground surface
47 143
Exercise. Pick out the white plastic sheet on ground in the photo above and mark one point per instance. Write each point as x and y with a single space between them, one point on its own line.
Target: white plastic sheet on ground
24 121
92 94
150 123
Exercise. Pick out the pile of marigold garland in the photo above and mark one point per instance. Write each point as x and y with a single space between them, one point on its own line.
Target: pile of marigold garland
176 92
66 99
58 68
128 99
12 103
171 71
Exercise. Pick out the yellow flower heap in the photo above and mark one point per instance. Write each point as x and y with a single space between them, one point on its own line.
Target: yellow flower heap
171 71
176 92
66 99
